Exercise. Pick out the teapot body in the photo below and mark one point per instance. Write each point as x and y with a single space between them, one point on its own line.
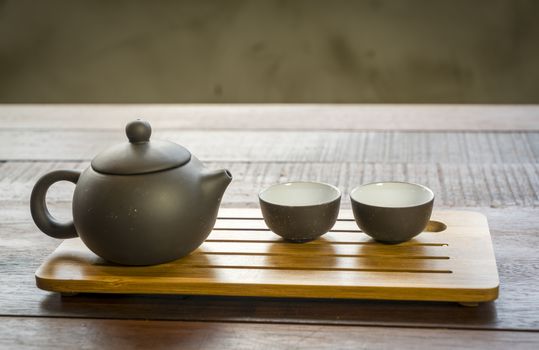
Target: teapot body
144 219
139 203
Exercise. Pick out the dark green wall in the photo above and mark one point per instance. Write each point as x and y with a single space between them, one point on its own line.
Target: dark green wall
270 51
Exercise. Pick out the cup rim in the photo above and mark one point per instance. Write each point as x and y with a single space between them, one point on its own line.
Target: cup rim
431 199
323 184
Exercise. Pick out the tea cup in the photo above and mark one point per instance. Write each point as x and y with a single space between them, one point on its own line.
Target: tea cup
300 211
392 212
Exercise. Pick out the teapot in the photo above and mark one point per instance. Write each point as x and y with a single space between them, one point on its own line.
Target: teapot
141 202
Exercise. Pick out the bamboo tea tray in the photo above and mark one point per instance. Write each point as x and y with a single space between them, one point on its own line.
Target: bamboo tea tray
452 261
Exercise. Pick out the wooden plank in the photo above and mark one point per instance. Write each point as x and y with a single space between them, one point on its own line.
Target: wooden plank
384 147
45 333
497 165
514 232
495 185
273 116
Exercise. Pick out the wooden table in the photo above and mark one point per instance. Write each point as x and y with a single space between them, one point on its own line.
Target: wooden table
484 158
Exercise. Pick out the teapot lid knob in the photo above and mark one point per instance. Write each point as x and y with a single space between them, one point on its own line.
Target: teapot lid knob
138 131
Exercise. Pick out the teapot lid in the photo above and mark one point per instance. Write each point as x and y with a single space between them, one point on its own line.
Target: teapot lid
140 155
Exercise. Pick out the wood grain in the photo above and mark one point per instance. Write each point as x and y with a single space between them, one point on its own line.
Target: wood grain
491 172
466 184
51 333
274 116
289 146
514 233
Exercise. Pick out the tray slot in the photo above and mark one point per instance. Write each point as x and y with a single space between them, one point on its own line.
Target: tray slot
323 263
278 241
251 271
309 249
328 238
284 268
341 255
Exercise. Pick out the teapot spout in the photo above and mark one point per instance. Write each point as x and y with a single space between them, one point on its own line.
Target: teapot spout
215 182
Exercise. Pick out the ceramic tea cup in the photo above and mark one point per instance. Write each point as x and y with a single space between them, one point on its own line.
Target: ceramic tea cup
392 212
300 211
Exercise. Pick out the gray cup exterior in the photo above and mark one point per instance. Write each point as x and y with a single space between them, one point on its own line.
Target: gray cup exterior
392 225
300 223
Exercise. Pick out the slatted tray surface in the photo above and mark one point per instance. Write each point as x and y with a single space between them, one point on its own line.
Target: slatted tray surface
242 257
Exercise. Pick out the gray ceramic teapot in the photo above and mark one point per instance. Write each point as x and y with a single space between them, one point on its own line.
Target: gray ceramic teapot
139 203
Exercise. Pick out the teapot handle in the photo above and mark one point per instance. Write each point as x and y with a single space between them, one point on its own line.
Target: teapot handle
38 206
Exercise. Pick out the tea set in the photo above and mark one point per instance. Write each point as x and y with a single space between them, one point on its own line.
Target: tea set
147 202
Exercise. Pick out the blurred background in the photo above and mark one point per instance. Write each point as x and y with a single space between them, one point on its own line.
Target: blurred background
309 51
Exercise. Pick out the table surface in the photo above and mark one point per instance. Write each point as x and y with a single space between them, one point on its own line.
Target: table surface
483 158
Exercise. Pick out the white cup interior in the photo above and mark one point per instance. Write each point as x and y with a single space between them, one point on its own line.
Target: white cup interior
392 194
300 194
